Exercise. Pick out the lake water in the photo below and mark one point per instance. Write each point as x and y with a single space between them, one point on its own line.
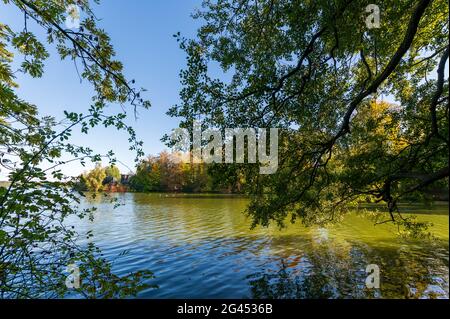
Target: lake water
202 247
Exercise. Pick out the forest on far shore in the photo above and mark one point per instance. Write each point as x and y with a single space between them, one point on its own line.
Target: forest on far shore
164 172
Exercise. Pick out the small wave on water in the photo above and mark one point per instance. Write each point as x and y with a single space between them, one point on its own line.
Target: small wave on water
203 247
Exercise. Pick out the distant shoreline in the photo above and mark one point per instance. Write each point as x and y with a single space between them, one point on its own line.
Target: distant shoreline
243 195
173 194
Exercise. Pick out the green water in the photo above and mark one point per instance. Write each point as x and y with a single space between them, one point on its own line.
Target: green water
202 247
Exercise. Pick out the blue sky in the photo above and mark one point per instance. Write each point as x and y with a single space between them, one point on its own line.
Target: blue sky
141 32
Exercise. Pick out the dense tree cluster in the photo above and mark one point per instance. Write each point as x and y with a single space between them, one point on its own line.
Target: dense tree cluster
167 172
317 71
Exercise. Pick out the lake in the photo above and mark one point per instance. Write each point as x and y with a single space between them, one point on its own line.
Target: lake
201 246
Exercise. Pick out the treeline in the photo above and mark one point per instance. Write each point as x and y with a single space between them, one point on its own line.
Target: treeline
165 172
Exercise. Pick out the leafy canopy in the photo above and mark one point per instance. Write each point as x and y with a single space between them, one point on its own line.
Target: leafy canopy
316 71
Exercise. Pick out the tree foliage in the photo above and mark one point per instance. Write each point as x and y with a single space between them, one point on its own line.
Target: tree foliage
36 243
168 173
94 179
113 171
316 71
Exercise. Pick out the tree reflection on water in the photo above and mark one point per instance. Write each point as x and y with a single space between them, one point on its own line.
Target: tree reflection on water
337 270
